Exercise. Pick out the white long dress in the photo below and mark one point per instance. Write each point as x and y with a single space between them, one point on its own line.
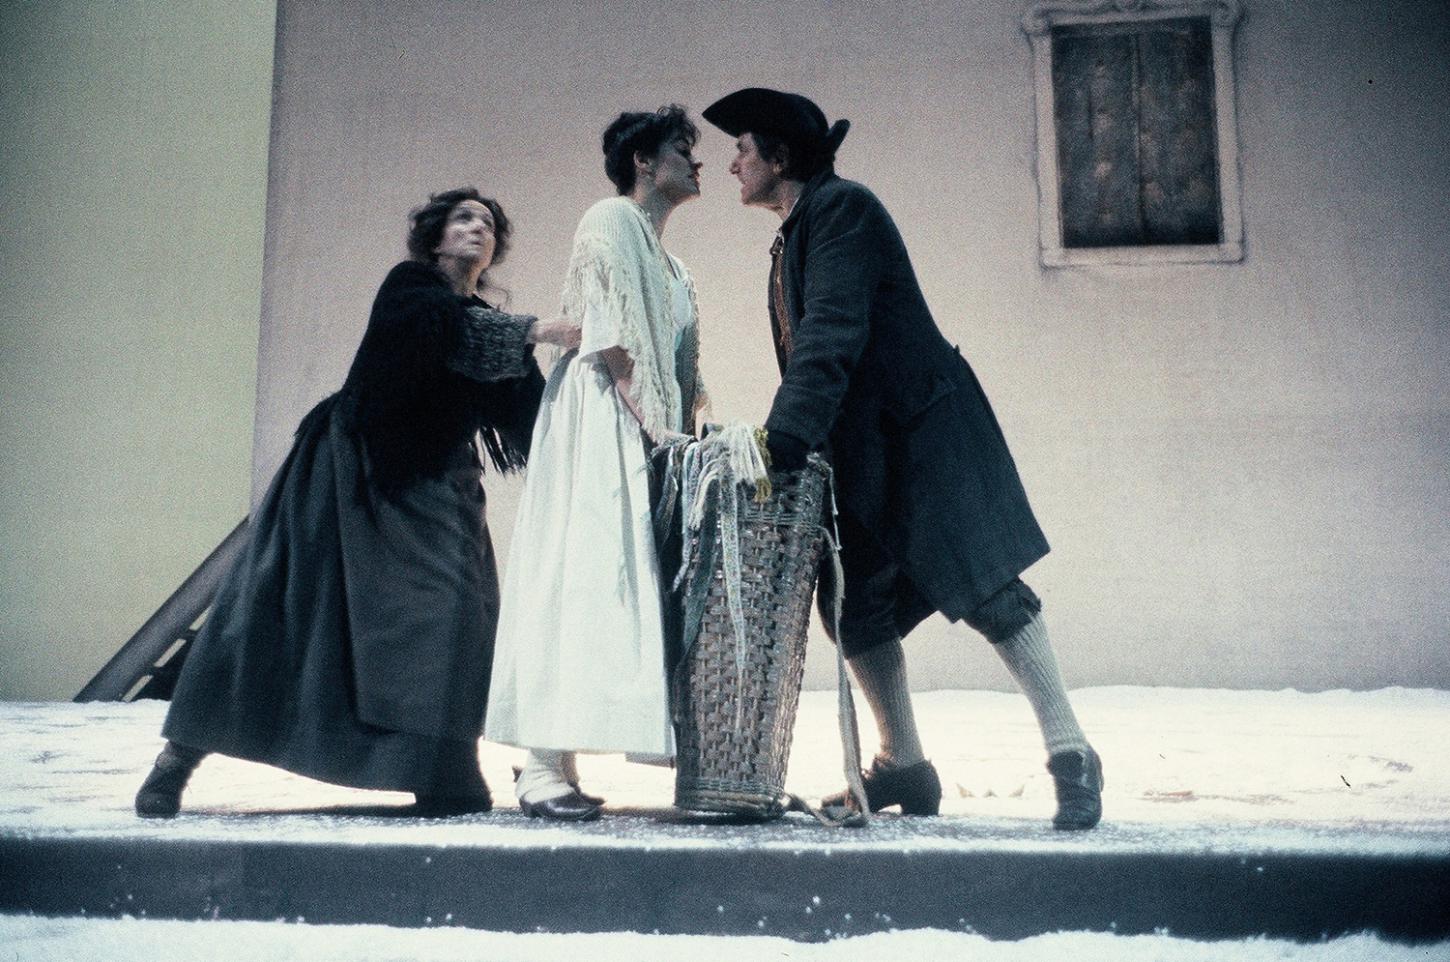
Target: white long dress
579 658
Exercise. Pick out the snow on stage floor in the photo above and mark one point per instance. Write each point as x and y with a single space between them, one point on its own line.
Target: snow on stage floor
1189 773
1188 769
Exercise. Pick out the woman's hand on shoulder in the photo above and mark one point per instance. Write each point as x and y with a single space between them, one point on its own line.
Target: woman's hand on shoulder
560 332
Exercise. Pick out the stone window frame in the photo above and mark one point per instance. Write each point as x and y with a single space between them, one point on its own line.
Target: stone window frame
1223 17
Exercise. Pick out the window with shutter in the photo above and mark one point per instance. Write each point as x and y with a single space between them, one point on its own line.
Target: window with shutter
1137 155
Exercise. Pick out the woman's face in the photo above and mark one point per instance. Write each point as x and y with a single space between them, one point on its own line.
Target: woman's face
468 234
676 172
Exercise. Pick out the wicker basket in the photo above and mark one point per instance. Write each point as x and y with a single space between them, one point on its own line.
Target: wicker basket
735 708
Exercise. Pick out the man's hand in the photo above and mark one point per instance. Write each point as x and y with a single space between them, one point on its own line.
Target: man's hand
787 452
560 332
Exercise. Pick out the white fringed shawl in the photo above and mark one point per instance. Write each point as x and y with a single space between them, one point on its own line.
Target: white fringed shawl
619 266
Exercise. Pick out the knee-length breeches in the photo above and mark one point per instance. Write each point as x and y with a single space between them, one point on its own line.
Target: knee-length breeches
880 604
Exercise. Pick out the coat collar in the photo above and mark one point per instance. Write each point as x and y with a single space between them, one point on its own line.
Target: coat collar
810 188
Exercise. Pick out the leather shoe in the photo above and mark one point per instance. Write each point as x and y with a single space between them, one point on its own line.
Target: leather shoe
442 806
1078 777
160 794
566 808
591 799
916 788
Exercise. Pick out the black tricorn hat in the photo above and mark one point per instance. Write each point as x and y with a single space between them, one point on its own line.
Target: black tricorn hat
788 116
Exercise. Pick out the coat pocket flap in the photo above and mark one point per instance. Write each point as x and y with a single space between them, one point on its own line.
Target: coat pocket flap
910 400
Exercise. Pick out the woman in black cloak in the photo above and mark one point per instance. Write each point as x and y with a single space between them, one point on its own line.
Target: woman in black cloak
353 640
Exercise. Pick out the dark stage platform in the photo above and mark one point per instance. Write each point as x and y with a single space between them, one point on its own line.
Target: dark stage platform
806 888
1282 849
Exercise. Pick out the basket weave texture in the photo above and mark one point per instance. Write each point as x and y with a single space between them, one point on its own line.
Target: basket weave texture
735 706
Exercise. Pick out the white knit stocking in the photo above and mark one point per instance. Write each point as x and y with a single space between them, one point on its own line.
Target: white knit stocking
881 673
543 776
1028 655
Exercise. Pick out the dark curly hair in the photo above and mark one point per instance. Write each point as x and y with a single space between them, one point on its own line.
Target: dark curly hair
642 132
804 156
427 222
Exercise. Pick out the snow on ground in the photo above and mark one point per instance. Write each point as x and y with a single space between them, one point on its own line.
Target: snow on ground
1186 769
130 940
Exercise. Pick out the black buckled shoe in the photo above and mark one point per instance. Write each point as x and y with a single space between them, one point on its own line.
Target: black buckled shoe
444 806
160 794
572 807
591 799
1078 776
916 788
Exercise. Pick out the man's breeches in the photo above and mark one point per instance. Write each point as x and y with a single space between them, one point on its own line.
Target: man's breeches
881 604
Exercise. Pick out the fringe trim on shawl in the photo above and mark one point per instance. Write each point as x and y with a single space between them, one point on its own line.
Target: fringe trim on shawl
694 399
619 266
507 456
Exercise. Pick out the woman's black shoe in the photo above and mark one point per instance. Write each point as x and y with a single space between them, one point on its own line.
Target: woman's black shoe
442 806
160 795
591 799
566 808
916 788
1078 776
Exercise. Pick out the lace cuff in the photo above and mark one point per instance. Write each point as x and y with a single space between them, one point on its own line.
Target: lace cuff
493 345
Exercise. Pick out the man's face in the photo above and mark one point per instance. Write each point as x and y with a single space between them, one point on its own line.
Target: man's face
758 177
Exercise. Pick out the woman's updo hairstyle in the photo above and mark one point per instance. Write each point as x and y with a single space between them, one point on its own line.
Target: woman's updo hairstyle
642 132
428 221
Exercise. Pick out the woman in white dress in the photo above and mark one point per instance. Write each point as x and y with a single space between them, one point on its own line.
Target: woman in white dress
580 657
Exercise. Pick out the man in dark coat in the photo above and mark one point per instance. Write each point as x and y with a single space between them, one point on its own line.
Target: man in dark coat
933 516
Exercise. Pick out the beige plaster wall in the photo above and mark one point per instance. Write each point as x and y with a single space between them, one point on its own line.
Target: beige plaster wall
1241 467
133 151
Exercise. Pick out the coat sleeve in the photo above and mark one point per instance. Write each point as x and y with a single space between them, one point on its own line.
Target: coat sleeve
416 315
842 269
492 345
432 327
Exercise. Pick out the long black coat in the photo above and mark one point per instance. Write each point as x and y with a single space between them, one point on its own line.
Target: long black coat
353 640
919 457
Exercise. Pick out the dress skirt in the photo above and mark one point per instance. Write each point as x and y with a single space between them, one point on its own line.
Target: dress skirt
353 639
580 663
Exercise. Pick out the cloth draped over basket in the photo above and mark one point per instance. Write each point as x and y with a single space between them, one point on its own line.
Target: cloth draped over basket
752 543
